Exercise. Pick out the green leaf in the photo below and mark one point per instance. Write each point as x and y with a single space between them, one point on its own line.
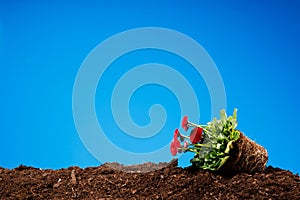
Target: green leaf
223 115
216 164
235 135
196 160
223 161
221 154
213 154
222 148
235 113
229 146
207 159
226 132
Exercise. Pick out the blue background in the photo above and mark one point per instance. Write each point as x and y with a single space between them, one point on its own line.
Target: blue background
255 46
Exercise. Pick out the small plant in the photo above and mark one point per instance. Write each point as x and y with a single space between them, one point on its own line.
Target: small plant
219 146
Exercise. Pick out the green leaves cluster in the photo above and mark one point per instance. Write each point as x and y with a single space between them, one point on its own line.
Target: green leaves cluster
219 136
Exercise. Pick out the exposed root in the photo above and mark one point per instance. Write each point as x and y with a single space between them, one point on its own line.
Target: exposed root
246 156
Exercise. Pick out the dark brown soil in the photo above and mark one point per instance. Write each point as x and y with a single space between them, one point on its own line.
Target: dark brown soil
169 182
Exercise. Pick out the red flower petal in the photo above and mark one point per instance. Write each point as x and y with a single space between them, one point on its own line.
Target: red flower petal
184 123
177 143
173 149
196 135
176 133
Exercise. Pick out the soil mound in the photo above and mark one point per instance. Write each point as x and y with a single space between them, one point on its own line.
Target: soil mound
114 181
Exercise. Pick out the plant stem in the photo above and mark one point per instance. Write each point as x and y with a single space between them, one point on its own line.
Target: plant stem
184 136
187 149
202 145
196 125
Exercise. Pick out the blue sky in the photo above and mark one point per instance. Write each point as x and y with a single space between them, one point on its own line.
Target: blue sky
255 46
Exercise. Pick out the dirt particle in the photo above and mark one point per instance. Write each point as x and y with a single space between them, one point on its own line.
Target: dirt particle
73 177
133 191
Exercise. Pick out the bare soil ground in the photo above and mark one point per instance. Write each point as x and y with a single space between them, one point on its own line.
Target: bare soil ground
146 181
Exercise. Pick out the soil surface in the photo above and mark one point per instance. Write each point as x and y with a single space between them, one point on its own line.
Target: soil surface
114 181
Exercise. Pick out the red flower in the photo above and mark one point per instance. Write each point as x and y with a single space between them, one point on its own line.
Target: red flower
185 145
176 133
184 123
196 135
175 144
173 149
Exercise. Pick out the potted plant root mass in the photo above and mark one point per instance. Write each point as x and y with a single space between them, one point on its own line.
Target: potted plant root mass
219 146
